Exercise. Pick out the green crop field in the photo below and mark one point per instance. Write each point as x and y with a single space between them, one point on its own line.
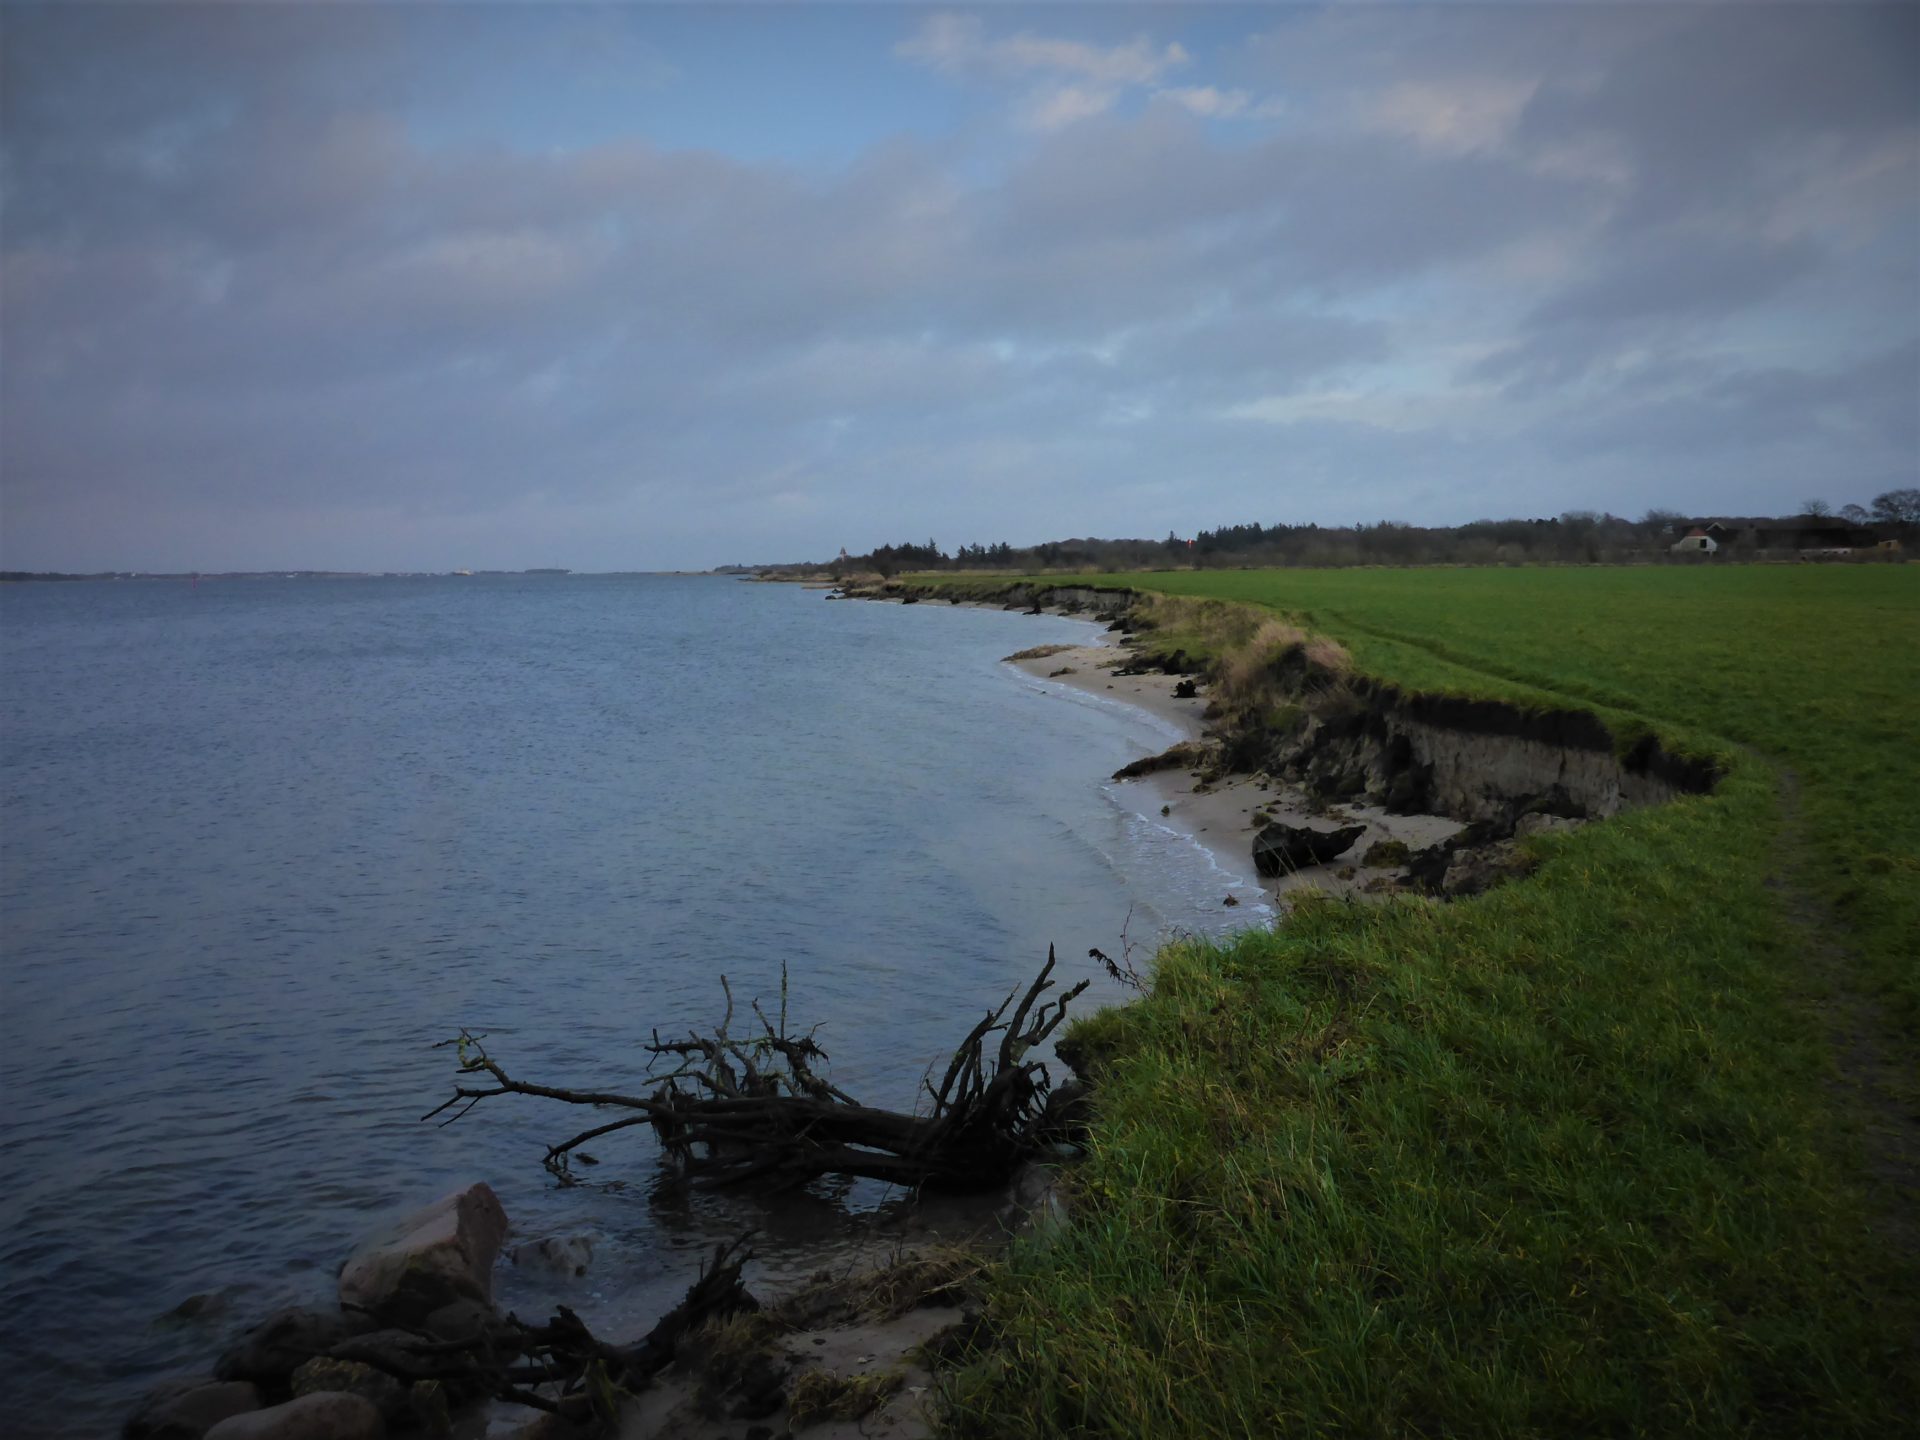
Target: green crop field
1626 1147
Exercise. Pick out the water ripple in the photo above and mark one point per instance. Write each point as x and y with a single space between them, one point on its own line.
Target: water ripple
266 843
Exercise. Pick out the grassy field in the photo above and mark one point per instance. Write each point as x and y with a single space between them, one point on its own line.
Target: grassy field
1590 1154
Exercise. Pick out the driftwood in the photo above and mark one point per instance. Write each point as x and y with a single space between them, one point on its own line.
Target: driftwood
732 1110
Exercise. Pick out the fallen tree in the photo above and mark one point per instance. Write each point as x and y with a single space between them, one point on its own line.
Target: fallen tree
737 1109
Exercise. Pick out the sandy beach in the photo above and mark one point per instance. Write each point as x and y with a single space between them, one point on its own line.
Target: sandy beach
1226 815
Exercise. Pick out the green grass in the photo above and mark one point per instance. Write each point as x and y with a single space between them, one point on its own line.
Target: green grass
1815 666
1558 1160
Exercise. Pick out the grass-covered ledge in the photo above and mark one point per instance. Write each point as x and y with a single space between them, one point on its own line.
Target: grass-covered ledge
1577 1156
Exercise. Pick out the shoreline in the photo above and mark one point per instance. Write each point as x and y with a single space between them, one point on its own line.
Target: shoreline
1223 817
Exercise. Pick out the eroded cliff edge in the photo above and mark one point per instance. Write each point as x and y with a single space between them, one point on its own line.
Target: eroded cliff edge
1291 709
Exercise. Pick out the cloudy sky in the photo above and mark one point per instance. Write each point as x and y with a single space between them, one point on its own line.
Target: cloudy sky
636 287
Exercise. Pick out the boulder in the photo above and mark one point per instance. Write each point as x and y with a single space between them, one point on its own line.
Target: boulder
324 1375
460 1320
282 1343
311 1417
1280 849
186 1411
564 1257
436 1256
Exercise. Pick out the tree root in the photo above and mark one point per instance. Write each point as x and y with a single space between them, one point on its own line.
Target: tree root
735 1110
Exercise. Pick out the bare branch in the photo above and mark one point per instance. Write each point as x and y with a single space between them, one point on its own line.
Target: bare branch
732 1111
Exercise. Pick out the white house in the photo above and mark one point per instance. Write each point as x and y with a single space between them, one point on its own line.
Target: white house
1695 542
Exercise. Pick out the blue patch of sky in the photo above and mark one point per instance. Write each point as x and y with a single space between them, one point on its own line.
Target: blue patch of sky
812 87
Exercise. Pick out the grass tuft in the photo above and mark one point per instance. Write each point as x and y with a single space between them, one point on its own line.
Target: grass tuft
821 1395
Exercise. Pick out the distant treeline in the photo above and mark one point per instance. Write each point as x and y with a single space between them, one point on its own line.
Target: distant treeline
1577 537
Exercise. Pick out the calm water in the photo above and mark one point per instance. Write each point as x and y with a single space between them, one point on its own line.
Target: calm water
265 842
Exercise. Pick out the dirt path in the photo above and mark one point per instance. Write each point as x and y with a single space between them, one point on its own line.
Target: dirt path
1875 1086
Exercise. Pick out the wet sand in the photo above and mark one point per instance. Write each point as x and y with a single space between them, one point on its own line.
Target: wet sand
1225 817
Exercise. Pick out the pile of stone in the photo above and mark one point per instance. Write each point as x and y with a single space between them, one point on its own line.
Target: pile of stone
330 1374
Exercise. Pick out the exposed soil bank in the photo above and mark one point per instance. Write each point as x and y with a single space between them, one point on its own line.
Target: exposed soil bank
1438 790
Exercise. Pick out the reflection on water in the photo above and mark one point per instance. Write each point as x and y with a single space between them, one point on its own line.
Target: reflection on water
267 842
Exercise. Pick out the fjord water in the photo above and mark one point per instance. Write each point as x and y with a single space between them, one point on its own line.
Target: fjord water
265 842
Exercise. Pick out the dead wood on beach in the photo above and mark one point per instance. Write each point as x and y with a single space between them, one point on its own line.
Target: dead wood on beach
732 1110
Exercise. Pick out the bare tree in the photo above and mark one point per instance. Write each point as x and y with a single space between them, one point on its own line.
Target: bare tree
1898 507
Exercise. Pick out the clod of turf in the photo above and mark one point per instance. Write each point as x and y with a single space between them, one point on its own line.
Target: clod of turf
1039 652
1386 852
820 1395
938 1276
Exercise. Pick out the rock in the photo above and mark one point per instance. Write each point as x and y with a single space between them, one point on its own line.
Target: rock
1543 825
311 1417
1281 849
392 1352
186 1411
1474 870
564 1257
546 1427
460 1320
427 1400
438 1255
1184 756
282 1343
1036 1207
324 1375
1427 868
210 1305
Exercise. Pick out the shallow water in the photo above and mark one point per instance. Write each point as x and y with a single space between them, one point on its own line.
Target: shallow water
266 842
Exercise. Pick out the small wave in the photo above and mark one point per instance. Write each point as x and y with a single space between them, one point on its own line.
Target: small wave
1136 715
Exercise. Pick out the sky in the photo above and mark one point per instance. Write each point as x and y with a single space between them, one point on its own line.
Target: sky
646 287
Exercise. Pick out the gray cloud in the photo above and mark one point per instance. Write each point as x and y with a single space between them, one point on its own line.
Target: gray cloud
252 308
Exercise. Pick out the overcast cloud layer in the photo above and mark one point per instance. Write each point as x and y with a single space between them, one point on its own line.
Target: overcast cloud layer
636 288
